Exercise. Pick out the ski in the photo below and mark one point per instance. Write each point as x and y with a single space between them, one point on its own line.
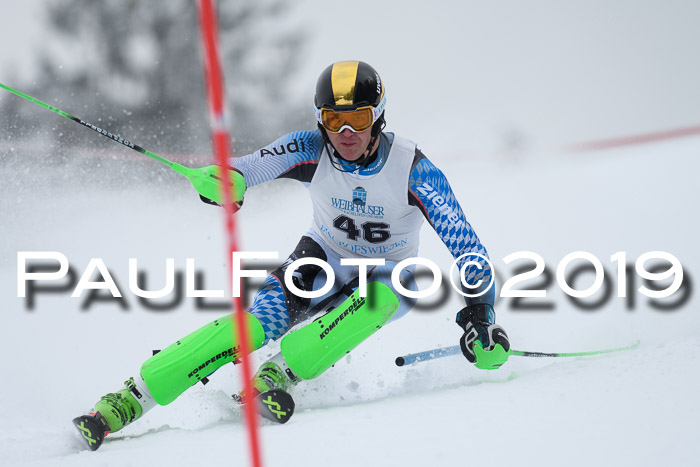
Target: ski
91 430
275 405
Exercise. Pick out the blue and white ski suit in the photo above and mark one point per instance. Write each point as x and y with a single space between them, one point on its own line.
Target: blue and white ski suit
368 212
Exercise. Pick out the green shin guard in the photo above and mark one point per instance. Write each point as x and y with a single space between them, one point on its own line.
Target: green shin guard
179 366
311 350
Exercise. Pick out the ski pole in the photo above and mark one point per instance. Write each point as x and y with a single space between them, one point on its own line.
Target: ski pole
206 180
455 350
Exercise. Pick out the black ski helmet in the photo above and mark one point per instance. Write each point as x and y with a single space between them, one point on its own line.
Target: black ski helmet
347 86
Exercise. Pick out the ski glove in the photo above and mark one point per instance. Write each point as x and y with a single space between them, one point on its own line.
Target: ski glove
483 343
204 199
207 181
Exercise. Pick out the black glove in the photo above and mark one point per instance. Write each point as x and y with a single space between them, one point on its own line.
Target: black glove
483 343
237 206
207 181
208 201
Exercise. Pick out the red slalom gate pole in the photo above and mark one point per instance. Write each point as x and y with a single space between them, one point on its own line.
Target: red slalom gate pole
222 149
644 138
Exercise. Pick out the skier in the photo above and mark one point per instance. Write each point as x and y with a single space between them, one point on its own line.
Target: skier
370 191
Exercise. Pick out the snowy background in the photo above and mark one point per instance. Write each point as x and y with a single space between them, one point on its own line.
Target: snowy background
491 93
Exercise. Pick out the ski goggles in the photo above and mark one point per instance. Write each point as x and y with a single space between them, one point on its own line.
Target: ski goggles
357 120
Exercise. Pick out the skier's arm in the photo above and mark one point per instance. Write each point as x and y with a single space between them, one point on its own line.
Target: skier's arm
429 190
294 155
483 343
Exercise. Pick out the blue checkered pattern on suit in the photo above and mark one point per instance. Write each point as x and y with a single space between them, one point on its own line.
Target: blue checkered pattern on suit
270 308
459 237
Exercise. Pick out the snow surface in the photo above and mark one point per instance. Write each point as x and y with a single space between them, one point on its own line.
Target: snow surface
638 407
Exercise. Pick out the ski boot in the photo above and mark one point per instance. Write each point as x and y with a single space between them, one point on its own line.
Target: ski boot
113 412
270 385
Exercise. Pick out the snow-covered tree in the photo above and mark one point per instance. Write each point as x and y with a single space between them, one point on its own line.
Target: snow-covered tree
136 67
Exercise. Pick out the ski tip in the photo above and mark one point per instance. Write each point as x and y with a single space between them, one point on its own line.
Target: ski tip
400 361
276 405
90 430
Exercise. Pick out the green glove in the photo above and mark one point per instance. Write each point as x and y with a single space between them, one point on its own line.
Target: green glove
490 359
207 181
483 343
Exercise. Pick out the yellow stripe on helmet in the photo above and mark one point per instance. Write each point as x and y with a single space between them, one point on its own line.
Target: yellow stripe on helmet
343 77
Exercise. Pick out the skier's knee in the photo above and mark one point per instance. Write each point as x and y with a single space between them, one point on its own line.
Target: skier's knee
406 279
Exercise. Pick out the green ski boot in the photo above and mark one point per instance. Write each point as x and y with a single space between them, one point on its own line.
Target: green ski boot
273 374
119 409
270 385
112 412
